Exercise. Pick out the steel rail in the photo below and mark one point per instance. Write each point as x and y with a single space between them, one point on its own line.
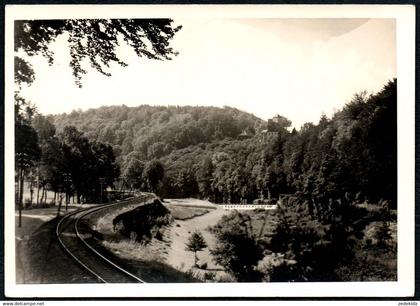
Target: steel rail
90 211
76 223
70 253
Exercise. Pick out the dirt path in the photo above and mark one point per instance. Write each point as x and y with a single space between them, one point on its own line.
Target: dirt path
179 233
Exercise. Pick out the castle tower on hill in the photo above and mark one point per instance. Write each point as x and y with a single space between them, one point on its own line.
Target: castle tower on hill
272 129
277 119
274 125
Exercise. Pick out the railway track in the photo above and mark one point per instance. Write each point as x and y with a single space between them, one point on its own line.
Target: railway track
73 240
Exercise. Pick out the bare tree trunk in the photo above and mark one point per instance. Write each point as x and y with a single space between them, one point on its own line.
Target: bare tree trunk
31 190
21 183
59 204
42 195
37 193
17 191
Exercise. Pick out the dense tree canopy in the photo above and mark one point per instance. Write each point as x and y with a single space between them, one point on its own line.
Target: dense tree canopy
90 164
153 174
351 156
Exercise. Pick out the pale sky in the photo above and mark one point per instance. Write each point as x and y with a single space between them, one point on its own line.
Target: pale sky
298 68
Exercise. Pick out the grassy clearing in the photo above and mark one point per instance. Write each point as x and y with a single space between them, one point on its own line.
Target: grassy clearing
190 202
185 212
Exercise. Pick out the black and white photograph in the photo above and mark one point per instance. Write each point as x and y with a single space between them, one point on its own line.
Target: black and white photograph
209 150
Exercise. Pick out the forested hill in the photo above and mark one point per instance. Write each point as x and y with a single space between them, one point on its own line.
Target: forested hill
155 131
227 155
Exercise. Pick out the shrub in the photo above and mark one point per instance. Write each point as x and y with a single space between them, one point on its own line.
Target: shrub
237 249
209 276
382 235
277 268
317 248
226 278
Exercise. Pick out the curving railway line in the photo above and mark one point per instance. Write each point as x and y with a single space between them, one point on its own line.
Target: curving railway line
74 242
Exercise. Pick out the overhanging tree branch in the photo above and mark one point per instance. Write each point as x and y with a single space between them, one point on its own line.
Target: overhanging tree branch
94 40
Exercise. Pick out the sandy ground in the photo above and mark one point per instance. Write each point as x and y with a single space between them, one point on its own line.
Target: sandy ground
178 233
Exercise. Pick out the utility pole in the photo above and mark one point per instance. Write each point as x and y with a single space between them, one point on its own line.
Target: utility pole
67 182
31 187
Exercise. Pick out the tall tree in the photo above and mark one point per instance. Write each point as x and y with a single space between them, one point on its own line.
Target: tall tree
133 173
153 173
27 152
49 167
75 150
103 169
89 167
204 177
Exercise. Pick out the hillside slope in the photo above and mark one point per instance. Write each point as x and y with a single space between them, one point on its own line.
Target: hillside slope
155 131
